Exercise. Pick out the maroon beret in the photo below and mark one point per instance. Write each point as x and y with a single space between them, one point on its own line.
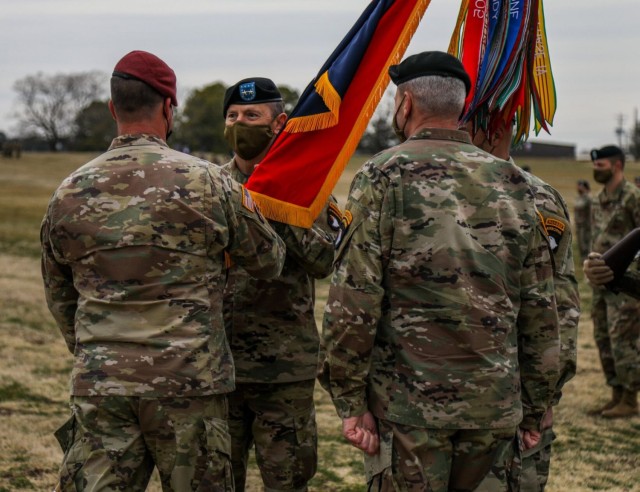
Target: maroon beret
148 68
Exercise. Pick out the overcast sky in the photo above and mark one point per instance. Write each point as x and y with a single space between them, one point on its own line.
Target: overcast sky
593 47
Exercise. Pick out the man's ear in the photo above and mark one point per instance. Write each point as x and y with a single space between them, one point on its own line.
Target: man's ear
280 121
112 110
407 105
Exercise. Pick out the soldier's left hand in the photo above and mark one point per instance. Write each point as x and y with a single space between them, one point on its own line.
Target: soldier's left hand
530 438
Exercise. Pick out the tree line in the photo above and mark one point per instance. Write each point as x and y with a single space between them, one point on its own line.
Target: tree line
70 112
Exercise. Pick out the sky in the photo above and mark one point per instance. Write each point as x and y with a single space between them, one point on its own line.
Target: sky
592 46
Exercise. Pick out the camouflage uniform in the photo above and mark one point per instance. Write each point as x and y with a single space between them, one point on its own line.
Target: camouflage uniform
615 316
555 213
582 221
442 270
133 266
274 341
629 284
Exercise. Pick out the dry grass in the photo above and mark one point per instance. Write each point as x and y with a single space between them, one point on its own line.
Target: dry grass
589 454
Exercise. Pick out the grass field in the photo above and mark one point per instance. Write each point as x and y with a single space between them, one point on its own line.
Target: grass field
589 454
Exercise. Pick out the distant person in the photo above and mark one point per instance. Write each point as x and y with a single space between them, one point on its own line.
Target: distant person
442 273
615 212
582 218
271 323
636 181
534 463
133 262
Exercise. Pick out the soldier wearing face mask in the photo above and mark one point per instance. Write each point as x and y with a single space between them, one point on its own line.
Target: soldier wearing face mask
615 212
271 325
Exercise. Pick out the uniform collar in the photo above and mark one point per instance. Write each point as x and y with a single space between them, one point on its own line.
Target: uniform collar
615 195
137 139
442 134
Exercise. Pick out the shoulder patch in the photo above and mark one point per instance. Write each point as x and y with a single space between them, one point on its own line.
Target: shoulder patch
250 204
343 228
247 200
555 230
334 217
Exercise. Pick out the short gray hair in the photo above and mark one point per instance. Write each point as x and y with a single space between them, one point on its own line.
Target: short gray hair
434 95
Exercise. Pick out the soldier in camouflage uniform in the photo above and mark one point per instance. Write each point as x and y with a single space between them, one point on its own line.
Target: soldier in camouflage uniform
270 323
531 466
441 275
598 273
582 218
615 212
133 265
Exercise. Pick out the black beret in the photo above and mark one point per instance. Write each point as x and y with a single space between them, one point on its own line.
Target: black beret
606 151
254 90
429 63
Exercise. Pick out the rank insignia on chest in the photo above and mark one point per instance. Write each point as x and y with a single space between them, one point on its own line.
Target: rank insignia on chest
555 230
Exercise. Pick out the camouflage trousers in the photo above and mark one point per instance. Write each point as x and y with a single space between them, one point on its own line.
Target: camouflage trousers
440 460
280 420
616 329
114 442
530 470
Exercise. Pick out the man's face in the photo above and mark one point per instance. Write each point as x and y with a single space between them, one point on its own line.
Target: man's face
602 165
249 114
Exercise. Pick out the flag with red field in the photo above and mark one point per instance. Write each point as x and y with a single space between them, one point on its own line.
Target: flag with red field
294 180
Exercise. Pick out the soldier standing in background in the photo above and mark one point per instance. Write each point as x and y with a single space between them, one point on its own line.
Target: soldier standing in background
271 323
441 275
133 266
582 218
615 212
534 462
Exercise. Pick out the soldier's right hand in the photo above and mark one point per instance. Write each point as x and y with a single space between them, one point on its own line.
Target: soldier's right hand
362 433
596 270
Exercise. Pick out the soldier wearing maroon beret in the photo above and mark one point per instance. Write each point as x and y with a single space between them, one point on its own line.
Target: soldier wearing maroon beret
134 246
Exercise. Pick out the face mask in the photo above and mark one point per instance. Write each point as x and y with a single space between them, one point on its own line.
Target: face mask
602 176
248 141
394 124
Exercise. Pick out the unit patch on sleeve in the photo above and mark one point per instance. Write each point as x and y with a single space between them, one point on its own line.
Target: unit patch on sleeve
555 230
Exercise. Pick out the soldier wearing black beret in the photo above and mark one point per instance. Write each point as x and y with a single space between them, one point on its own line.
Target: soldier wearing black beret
271 325
415 371
615 212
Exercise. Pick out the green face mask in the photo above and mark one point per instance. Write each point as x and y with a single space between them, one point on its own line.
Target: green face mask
248 141
602 176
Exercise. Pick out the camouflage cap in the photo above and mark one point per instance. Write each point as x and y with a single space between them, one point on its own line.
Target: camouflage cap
148 68
429 63
605 152
253 90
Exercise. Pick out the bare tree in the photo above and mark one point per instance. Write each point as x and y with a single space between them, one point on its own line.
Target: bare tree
51 103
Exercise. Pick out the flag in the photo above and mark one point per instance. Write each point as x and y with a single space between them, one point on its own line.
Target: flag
503 46
293 182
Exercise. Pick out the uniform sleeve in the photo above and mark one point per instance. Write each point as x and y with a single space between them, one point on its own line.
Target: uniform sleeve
354 304
538 333
313 248
630 284
60 293
568 305
250 241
